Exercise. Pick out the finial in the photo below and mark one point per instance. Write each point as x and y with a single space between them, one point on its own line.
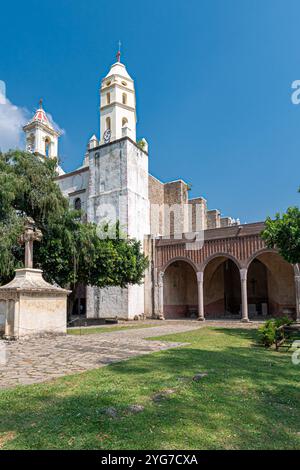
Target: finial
41 104
119 52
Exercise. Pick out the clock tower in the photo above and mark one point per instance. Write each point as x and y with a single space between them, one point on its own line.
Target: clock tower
117 104
118 187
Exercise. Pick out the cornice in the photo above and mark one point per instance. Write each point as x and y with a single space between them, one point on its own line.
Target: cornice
116 103
116 84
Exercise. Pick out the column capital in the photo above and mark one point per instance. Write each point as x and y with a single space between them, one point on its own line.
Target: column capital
200 276
243 274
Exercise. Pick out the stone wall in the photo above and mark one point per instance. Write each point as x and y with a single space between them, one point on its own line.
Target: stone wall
198 214
213 219
157 199
75 185
118 190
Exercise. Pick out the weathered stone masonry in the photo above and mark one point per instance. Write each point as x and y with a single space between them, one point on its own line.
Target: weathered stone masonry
243 252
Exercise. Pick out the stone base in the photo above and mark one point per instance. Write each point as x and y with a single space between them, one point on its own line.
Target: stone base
245 320
32 307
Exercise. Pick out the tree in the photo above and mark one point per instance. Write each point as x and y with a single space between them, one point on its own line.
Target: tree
71 251
283 233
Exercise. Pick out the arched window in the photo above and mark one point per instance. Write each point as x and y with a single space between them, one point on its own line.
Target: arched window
124 98
107 98
124 122
47 147
77 204
108 123
30 143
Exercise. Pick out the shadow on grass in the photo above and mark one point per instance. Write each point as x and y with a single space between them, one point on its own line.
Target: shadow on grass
249 399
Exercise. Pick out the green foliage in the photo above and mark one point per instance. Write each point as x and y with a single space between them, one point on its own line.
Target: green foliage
283 233
269 333
71 251
249 400
141 144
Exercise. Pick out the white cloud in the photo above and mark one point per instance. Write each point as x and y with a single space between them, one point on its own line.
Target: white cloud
12 119
55 125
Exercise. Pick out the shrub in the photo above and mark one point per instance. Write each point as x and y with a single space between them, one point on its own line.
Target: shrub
270 332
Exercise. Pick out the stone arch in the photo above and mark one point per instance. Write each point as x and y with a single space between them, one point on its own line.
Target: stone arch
258 253
222 286
218 255
180 258
47 146
270 285
108 123
180 292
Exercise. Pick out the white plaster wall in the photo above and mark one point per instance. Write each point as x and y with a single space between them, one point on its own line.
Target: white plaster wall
119 180
109 302
40 135
116 86
117 112
39 314
72 183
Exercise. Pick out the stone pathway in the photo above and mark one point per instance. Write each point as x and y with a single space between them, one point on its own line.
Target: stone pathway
31 361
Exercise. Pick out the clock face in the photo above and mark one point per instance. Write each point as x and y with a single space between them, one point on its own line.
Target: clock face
107 136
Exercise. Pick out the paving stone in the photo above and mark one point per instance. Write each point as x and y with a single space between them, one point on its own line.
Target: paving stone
36 360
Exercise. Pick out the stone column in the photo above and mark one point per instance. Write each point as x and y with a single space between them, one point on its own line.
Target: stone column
297 289
161 296
200 276
243 274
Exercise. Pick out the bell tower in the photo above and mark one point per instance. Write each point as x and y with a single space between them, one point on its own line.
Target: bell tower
41 137
118 187
117 104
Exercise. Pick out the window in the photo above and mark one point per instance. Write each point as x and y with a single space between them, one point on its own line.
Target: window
124 83
30 143
124 122
108 83
108 123
77 204
124 98
107 98
47 147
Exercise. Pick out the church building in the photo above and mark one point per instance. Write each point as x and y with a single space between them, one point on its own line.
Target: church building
202 265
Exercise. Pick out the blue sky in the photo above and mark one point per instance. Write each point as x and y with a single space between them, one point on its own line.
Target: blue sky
213 81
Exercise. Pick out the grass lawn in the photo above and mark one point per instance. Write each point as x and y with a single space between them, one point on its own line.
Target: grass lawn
250 399
106 329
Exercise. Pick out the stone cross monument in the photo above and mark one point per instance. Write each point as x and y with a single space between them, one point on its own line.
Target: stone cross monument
28 304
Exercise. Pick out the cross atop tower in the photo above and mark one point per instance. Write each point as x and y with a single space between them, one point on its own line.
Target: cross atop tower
41 104
119 52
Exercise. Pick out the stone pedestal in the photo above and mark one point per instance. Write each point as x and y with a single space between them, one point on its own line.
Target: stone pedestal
31 306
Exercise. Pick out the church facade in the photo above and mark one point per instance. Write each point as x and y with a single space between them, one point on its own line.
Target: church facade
201 265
